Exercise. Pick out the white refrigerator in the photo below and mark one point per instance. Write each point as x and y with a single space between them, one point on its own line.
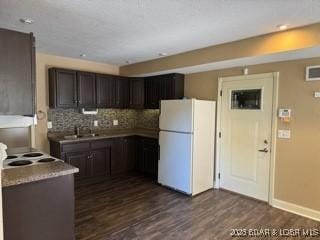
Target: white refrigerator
187 141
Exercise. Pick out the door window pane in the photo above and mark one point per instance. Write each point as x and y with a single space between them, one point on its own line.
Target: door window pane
246 99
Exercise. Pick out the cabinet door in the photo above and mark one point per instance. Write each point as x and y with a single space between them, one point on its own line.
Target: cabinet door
80 160
129 152
122 92
63 88
86 90
100 162
152 85
171 86
119 159
106 91
139 163
136 93
166 88
150 157
17 79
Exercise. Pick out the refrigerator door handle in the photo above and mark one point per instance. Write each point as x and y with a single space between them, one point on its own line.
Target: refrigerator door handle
159 152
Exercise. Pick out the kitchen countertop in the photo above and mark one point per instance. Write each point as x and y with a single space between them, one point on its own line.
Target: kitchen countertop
32 173
103 134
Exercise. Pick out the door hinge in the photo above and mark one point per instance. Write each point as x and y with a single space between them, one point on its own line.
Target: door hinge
220 93
219 134
219 175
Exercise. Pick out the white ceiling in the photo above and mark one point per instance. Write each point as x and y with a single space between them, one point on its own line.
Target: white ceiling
114 31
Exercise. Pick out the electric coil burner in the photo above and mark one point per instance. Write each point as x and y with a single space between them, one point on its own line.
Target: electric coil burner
31 155
45 160
20 163
20 158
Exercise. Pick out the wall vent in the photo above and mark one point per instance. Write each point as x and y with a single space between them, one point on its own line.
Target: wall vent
313 73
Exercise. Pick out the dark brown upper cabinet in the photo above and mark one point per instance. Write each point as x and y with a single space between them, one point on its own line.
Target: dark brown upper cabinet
171 86
163 87
86 90
136 93
76 89
63 88
122 92
72 89
152 92
106 85
17 73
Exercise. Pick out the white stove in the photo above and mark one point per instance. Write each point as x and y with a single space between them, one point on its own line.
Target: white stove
18 158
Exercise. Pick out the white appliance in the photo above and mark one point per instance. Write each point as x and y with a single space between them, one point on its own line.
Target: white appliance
14 121
187 133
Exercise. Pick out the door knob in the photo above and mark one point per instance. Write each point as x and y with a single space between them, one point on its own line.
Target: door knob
265 150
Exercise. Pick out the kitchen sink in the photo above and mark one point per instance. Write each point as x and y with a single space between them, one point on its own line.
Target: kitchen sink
70 137
88 135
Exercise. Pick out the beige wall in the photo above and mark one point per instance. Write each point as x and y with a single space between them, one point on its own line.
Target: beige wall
294 39
43 62
297 177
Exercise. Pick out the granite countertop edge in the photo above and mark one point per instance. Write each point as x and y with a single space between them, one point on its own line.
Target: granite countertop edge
151 133
22 175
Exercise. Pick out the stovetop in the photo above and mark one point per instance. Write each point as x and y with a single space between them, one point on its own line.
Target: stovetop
26 157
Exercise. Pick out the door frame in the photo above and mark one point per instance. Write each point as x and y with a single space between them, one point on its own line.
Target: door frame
221 80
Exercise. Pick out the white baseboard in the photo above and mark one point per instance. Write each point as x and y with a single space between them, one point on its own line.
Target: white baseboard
296 209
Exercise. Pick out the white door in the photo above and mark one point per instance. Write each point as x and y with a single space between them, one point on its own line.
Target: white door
174 165
176 115
246 126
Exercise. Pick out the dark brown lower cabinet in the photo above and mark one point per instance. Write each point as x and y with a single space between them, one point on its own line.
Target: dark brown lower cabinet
80 160
114 156
91 164
123 155
41 210
118 160
147 157
100 162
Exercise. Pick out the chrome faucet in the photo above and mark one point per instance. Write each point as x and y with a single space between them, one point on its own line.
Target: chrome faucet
77 130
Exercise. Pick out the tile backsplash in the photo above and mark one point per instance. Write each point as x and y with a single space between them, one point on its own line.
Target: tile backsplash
68 119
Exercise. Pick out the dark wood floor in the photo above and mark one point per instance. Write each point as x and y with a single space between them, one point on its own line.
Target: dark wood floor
133 207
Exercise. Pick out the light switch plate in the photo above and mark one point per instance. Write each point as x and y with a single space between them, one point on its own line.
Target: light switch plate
49 125
115 122
95 123
317 94
285 134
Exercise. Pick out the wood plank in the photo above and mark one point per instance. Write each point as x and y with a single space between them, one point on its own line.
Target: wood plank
134 207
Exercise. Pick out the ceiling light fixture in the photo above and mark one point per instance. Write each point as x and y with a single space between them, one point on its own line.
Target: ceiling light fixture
282 27
163 54
83 55
26 20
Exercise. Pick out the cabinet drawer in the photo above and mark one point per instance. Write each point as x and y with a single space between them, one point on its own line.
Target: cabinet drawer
101 144
76 147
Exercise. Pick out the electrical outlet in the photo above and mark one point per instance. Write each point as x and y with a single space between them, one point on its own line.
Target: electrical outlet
115 122
95 123
317 94
286 134
49 125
